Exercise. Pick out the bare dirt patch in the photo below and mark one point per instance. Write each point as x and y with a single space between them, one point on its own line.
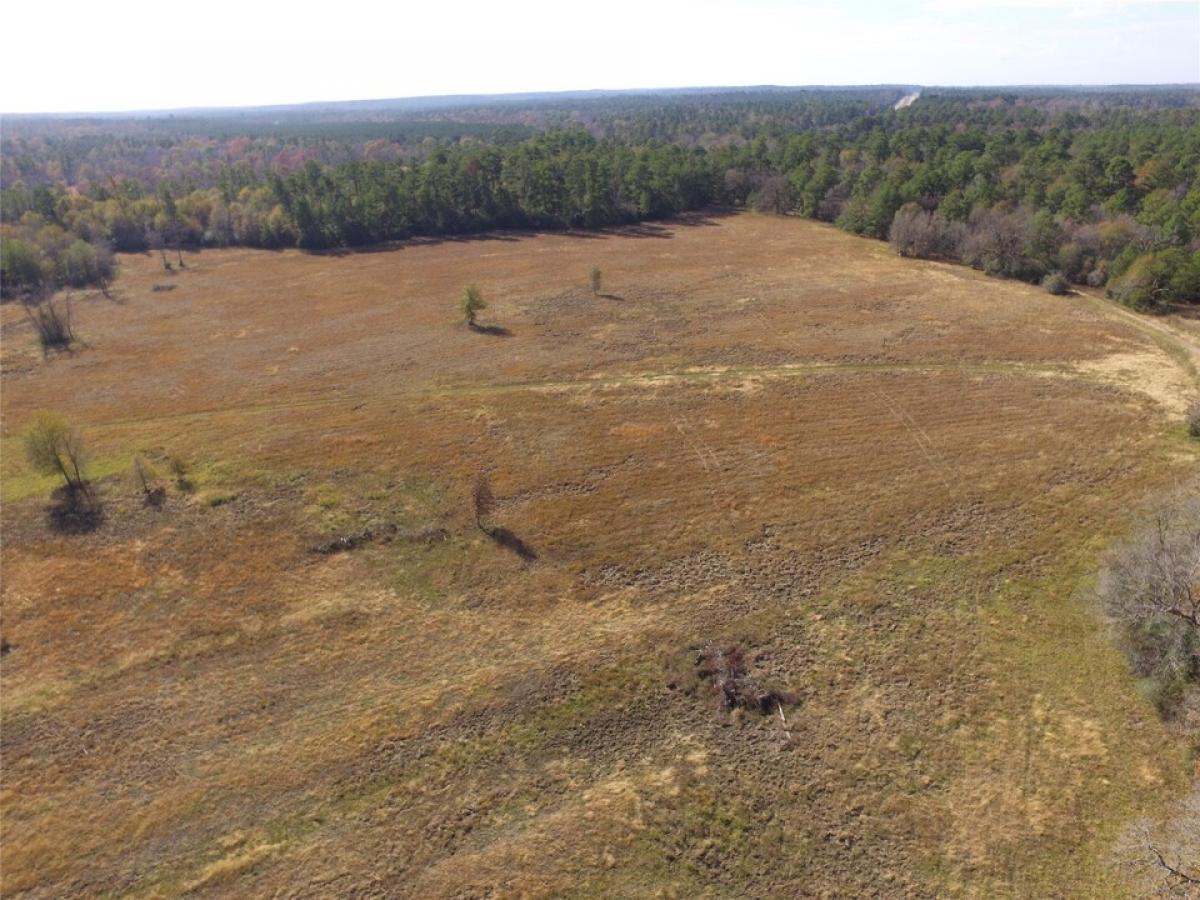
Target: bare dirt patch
1150 372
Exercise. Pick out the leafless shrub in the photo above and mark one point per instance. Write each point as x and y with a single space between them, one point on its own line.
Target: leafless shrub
996 243
833 204
925 235
723 666
774 195
51 322
156 241
343 543
383 534
153 494
595 280
484 503
1193 420
482 499
1150 587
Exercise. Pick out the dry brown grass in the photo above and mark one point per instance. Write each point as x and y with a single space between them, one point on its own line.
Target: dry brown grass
885 479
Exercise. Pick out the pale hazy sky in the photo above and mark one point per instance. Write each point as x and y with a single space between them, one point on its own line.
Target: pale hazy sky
138 54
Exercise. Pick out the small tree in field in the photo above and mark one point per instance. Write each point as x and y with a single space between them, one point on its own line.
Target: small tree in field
595 280
1193 420
51 322
471 303
1057 284
156 241
482 499
54 447
144 477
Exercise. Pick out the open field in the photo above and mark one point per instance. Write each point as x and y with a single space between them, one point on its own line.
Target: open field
889 481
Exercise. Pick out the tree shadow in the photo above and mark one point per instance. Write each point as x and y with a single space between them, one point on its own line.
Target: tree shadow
638 229
510 541
643 230
707 218
430 240
604 296
74 511
493 330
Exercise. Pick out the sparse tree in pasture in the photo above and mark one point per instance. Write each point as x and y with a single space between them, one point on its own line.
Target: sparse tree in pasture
471 303
154 240
51 321
595 280
144 477
1057 284
54 447
482 500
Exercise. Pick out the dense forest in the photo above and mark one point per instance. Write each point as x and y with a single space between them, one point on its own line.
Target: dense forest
1096 187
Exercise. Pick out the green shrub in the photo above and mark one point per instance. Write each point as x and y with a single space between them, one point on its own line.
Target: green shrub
1057 284
471 303
23 267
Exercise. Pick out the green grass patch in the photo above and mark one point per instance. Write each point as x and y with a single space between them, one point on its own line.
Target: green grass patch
19 481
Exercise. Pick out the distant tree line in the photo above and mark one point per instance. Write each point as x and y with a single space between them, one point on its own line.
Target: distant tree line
1098 187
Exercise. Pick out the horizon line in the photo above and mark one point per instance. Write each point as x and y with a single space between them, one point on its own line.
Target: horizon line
520 95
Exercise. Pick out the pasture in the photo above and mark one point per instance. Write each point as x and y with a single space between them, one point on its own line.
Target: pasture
886 482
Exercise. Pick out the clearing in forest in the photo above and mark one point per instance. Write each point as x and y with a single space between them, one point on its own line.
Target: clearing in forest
768 462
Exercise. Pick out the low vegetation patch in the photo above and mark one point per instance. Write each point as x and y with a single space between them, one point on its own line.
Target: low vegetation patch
724 668
384 534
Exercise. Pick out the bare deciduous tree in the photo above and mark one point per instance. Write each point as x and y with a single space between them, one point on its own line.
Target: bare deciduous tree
483 500
774 195
153 494
1150 586
51 322
925 235
595 280
156 241
1165 857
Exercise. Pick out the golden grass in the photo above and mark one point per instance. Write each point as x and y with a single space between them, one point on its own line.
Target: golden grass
889 480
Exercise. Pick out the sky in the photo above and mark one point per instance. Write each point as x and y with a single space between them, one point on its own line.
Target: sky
136 54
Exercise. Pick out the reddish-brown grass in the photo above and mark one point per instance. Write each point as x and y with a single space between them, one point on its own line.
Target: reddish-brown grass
885 479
